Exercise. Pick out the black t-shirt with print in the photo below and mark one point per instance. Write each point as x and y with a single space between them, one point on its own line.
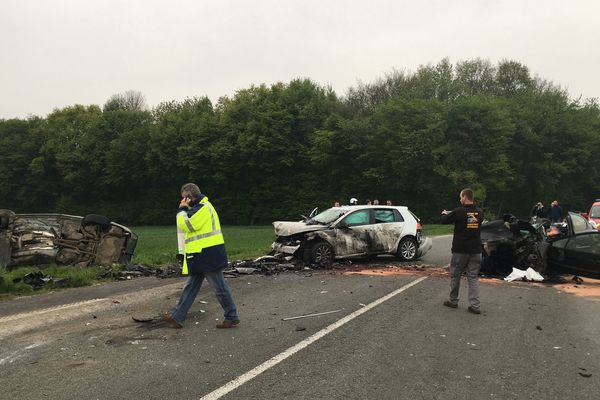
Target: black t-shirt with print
467 233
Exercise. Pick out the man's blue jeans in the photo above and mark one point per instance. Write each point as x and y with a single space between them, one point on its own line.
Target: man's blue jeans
191 289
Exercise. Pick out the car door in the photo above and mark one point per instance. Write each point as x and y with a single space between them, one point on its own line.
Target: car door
386 230
352 236
581 255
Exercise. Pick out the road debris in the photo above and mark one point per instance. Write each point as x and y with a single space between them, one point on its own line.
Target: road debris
577 279
310 315
38 280
529 275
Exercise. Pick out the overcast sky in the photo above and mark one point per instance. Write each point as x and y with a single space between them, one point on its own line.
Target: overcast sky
64 52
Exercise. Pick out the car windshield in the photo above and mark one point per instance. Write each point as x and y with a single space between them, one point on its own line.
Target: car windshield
595 212
328 216
580 224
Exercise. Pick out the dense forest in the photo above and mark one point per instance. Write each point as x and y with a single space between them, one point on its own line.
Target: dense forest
273 152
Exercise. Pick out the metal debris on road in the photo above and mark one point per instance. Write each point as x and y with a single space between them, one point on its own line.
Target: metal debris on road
310 315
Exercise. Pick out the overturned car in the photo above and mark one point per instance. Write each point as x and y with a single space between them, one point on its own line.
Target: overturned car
352 231
34 239
572 246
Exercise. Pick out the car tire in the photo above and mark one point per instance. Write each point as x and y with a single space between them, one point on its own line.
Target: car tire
5 217
407 249
321 253
96 219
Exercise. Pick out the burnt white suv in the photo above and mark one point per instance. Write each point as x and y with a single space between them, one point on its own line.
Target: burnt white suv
352 231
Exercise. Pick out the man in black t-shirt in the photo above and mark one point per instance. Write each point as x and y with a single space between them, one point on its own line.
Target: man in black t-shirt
466 248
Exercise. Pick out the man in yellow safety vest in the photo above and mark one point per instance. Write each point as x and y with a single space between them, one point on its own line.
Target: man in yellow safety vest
204 257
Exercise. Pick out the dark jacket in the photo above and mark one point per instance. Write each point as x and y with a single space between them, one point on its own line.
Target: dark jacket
467 228
539 212
556 214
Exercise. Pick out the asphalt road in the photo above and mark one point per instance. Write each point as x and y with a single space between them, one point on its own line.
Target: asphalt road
531 341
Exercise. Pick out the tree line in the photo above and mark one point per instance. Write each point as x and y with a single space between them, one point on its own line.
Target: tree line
272 152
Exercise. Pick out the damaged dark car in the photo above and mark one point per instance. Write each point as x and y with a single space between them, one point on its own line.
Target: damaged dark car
572 246
37 239
352 231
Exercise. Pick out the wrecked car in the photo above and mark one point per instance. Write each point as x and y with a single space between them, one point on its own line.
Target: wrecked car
34 239
352 231
511 243
572 246
575 248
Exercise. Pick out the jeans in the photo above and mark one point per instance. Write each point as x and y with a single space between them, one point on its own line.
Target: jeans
191 289
460 263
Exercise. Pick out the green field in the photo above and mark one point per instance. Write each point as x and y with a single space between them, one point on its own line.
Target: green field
157 246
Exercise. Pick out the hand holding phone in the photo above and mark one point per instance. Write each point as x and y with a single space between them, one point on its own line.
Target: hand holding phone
185 202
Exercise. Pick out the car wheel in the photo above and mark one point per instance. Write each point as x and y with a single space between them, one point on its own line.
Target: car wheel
95 219
321 253
407 249
5 217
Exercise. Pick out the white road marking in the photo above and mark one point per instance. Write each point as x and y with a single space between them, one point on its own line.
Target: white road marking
15 355
49 310
253 373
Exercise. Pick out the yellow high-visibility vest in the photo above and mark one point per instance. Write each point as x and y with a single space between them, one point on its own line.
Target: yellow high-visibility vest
202 230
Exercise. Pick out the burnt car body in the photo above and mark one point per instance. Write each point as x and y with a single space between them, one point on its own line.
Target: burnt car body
509 243
352 231
37 239
572 246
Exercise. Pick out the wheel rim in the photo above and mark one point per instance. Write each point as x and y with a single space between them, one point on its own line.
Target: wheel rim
408 250
323 253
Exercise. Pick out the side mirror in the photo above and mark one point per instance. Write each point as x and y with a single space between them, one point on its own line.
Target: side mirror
342 225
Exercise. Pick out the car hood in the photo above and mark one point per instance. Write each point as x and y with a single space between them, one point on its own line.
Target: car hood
288 228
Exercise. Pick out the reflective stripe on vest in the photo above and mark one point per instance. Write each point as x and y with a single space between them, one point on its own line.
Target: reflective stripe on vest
204 235
214 232
186 219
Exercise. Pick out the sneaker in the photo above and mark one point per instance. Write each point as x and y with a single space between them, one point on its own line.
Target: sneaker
450 304
474 310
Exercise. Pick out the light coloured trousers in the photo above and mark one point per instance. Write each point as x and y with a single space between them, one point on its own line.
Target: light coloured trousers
469 263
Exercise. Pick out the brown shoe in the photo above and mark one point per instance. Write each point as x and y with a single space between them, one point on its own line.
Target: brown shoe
450 304
474 310
228 323
171 321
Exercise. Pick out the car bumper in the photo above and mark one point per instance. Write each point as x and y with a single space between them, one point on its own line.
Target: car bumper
281 248
425 246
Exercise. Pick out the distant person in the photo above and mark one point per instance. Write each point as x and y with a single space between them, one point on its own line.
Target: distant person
336 204
539 211
388 203
556 212
204 257
466 249
368 202
375 202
